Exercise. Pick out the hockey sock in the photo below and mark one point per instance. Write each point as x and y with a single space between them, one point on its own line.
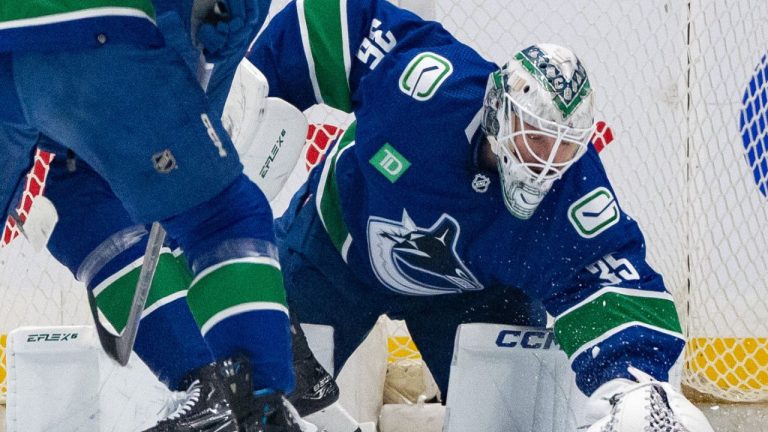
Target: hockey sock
168 341
237 297
240 306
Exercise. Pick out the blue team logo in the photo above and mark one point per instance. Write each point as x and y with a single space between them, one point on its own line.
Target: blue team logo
418 261
753 124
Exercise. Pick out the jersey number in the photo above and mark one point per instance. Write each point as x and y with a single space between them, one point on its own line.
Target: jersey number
375 45
613 271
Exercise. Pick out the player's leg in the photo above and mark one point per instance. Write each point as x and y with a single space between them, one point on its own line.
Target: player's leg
17 138
432 321
107 258
142 123
321 290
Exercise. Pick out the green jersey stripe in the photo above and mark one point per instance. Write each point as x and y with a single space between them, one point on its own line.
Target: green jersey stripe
623 291
239 309
74 9
619 329
328 200
250 260
235 284
114 296
608 310
325 37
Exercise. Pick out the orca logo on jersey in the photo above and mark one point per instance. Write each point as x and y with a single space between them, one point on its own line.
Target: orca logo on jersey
411 260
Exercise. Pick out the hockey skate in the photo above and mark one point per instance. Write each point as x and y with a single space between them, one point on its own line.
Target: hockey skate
205 407
316 394
261 412
315 387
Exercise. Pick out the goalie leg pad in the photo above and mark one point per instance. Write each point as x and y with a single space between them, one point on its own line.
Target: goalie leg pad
491 361
268 133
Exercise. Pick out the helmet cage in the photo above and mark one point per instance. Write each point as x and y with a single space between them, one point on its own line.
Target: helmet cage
539 167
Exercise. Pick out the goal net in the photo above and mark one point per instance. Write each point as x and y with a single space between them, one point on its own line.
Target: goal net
683 86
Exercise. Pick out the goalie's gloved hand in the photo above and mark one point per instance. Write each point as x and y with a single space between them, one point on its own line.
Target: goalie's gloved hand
229 26
622 405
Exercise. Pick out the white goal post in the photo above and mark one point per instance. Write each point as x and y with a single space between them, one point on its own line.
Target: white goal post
683 84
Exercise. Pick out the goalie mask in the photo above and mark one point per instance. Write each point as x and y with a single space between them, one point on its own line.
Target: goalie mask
538 117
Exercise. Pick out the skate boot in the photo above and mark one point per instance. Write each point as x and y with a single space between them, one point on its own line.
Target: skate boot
205 407
315 387
316 395
265 411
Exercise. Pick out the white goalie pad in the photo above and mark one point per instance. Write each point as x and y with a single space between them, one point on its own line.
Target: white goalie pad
40 223
269 133
511 378
60 380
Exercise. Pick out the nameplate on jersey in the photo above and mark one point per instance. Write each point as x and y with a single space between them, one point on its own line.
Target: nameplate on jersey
424 75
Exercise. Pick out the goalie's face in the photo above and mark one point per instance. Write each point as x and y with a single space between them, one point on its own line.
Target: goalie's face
538 117
541 153
531 154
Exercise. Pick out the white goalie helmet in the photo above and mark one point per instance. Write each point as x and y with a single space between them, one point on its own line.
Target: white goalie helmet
538 118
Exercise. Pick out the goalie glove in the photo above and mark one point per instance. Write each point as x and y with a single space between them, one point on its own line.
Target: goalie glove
224 28
647 405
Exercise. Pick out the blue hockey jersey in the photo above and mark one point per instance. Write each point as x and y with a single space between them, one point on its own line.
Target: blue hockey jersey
49 25
403 198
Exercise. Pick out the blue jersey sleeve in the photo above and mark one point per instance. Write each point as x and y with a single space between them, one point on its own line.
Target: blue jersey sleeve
334 45
611 308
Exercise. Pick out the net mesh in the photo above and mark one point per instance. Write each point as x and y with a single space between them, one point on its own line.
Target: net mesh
684 88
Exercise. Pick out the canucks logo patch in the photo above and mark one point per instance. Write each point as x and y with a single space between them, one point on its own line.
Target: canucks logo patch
412 260
568 91
594 213
424 75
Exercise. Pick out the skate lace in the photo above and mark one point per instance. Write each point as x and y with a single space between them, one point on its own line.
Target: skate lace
659 417
192 397
172 403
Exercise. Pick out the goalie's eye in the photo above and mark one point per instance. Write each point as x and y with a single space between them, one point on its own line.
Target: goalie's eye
537 138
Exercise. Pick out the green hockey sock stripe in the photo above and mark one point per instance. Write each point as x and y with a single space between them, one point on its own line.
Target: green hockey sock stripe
326 35
234 287
18 10
328 200
114 296
613 308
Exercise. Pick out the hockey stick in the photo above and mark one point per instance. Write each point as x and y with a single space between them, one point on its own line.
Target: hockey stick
119 347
